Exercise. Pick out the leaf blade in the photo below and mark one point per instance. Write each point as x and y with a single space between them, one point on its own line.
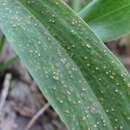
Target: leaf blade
76 5
2 42
47 68
104 77
109 19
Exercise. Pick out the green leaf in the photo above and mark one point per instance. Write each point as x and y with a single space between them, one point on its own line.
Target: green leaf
2 43
8 64
76 5
85 83
110 19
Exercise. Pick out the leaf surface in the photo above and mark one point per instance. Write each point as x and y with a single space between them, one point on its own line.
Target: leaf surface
110 19
82 79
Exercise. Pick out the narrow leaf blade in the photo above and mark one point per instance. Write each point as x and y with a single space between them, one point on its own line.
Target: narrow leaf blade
110 19
58 77
2 42
58 28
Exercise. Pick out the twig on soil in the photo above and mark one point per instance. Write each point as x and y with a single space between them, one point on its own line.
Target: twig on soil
36 116
5 90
